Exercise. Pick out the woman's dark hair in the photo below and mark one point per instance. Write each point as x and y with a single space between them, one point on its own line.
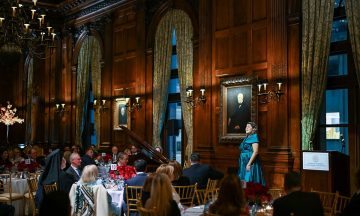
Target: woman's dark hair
231 198
55 203
254 126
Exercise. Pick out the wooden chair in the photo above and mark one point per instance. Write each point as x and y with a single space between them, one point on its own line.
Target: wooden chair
33 185
50 187
187 194
328 200
203 195
6 194
342 202
276 193
133 195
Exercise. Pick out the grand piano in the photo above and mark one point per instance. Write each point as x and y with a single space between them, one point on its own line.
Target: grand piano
153 157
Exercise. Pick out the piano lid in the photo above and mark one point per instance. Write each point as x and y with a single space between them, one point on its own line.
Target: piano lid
157 156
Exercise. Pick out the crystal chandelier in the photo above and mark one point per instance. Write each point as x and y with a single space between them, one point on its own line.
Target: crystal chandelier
24 28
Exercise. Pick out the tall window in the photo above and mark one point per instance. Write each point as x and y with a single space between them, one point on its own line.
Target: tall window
173 127
335 115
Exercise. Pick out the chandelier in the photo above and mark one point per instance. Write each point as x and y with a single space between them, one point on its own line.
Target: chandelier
24 28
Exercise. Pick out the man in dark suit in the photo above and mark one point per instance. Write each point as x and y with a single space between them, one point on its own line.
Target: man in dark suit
297 202
88 159
114 154
138 180
200 173
74 169
353 208
240 114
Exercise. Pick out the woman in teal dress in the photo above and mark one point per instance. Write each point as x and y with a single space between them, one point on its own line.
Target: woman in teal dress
249 161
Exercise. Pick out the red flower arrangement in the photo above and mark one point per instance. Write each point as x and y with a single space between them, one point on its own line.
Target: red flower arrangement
256 193
22 166
107 158
126 172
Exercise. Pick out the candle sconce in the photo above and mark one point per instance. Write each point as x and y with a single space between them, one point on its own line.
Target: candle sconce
99 105
131 106
61 108
191 100
265 95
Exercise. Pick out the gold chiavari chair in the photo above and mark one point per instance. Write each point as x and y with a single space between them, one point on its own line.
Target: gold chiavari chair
33 185
276 193
203 195
341 203
6 194
133 194
187 194
50 187
328 200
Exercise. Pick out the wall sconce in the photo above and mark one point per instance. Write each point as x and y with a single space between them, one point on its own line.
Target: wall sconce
265 95
131 106
191 100
100 105
60 108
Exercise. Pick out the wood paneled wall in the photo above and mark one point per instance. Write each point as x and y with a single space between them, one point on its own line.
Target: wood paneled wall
232 38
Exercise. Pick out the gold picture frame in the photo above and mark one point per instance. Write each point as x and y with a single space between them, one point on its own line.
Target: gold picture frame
238 106
121 116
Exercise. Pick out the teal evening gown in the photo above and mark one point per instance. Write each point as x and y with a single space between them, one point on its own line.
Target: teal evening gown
255 174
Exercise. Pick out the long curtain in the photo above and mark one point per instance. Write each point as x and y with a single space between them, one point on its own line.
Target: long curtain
96 84
352 13
162 66
29 98
317 21
82 87
184 49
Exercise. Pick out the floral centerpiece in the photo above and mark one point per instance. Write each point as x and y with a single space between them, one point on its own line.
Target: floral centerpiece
7 117
125 172
22 166
256 193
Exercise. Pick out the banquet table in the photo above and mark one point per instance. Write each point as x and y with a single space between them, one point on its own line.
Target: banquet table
19 186
193 211
116 196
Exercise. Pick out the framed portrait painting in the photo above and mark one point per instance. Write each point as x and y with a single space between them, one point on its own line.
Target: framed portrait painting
238 106
121 115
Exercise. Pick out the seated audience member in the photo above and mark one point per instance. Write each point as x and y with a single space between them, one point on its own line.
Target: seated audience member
145 195
179 178
50 175
65 179
88 158
295 201
161 197
127 151
122 169
138 180
17 156
5 163
89 198
114 154
75 165
231 200
168 170
136 154
75 149
55 203
200 173
159 149
353 208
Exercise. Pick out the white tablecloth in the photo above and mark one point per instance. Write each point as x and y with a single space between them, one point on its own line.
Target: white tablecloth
117 196
19 186
193 211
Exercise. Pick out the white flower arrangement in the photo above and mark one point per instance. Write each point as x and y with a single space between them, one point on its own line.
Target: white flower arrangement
7 115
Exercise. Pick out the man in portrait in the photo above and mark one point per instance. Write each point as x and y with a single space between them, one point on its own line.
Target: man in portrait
122 115
238 109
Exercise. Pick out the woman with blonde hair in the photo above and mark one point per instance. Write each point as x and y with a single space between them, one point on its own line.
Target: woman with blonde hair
179 178
161 198
88 198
